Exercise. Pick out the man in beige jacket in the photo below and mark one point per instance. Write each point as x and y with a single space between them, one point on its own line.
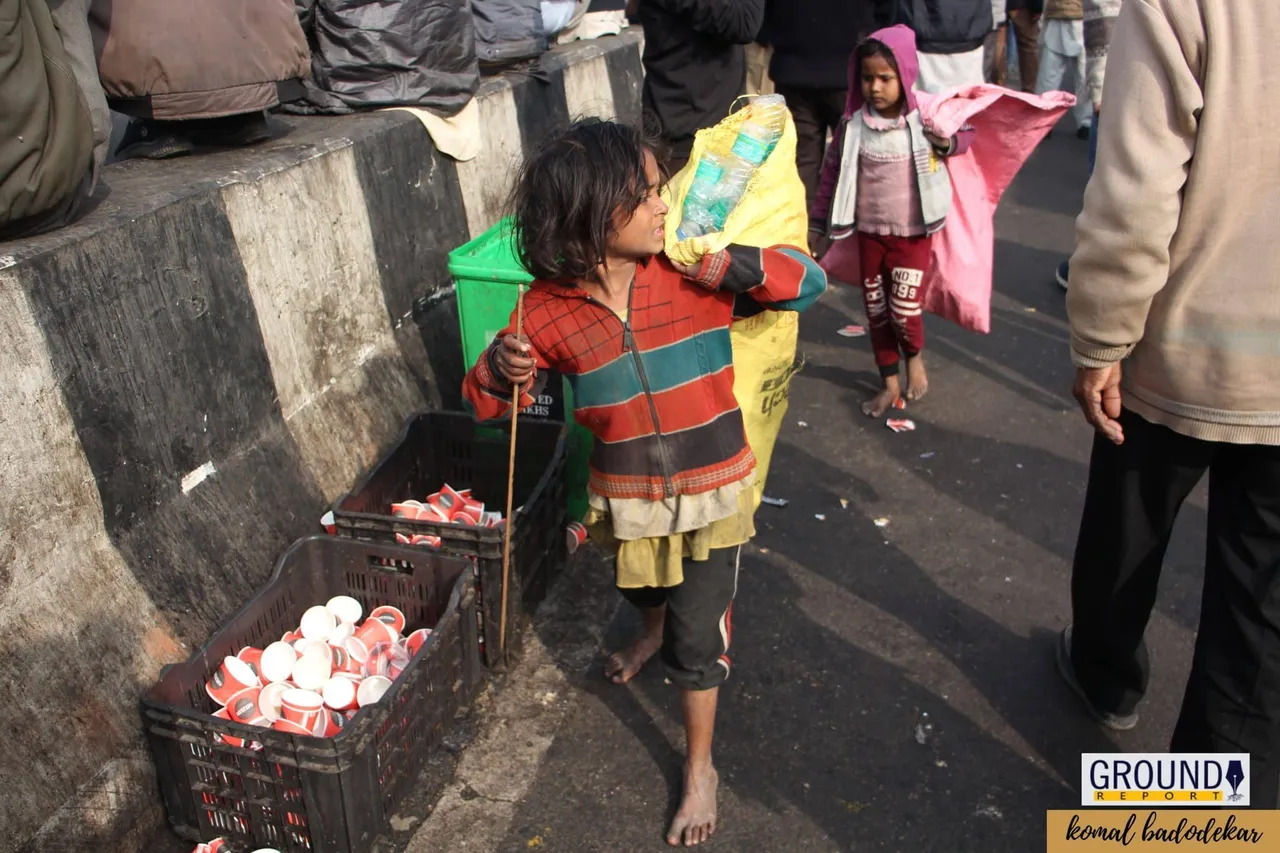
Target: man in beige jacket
1175 331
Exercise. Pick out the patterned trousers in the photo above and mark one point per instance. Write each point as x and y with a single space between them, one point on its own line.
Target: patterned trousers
893 282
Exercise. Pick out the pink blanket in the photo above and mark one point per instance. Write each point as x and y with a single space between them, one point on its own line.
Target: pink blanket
1009 125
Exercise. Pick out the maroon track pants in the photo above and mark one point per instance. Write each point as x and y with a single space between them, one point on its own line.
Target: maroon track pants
893 276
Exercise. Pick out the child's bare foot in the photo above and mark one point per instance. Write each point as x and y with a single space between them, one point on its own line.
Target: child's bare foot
880 403
695 822
917 379
622 666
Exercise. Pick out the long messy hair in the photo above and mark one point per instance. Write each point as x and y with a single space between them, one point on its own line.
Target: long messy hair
569 192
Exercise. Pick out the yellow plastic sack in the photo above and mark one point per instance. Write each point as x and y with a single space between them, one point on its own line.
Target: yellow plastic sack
764 360
772 210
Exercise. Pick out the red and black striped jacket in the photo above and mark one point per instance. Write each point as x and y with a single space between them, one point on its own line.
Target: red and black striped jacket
655 389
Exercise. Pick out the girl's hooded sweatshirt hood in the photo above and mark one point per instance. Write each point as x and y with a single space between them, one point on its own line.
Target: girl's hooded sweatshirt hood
901 41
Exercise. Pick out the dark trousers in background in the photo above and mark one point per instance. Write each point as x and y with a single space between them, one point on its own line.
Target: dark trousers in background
1026 29
816 113
1232 700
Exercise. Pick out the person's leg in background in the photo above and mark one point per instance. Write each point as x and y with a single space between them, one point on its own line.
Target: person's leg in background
995 54
1026 31
1063 273
695 651
816 112
1131 502
1053 65
1083 109
758 80
1232 702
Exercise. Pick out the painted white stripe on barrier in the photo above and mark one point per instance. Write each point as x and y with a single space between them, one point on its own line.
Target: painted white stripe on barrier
486 181
304 237
587 89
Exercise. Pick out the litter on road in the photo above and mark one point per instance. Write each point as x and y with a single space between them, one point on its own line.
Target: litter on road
819 516
882 522
852 331
765 499
901 424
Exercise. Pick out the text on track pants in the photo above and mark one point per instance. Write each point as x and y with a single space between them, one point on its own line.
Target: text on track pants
894 271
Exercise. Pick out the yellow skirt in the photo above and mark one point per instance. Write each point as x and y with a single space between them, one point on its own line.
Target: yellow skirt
659 560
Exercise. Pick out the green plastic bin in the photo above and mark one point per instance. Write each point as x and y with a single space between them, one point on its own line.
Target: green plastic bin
486 273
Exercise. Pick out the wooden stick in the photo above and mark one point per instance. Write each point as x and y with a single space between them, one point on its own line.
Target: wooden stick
511 476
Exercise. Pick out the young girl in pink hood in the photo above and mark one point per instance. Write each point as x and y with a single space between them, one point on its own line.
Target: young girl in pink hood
885 184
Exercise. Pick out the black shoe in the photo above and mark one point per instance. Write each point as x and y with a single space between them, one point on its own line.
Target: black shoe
237 130
1082 132
1062 274
152 141
1116 722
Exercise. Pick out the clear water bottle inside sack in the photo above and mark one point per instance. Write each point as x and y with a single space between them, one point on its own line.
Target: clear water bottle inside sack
702 195
721 178
756 140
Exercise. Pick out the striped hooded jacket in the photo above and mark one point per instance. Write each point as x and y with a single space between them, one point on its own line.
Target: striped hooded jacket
656 388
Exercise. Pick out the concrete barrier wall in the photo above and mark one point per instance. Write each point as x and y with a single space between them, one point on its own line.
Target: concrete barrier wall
189 375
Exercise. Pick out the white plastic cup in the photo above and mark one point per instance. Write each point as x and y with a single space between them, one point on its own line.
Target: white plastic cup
340 694
312 672
342 633
318 623
302 707
229 679
372 690
277 662
318 649
269 700
345 608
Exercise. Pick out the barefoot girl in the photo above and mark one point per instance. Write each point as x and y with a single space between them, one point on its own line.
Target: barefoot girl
645 344
886 186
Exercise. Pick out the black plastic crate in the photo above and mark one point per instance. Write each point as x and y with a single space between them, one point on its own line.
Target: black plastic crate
450 447
320 795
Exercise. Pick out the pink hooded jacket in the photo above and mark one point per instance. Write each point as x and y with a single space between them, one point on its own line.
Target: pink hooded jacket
935 192
1006 127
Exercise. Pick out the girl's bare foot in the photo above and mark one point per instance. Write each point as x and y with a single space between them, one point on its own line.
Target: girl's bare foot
880 403
622 666
695 822
917 379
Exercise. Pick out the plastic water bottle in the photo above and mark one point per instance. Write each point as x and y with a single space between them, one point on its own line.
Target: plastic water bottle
756 140
702 195
720 181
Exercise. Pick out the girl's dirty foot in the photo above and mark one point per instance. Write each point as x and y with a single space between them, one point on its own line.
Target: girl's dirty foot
695 822
917 379
880 403
622 666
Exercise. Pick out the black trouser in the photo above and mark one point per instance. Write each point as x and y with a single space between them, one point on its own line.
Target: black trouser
1232 701
815 112
699 622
